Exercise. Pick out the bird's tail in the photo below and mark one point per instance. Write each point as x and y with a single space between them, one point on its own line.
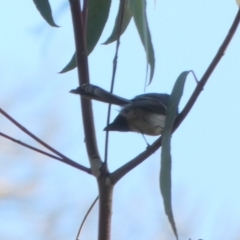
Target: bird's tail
99 94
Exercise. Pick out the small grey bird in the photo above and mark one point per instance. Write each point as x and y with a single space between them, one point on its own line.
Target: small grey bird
144 114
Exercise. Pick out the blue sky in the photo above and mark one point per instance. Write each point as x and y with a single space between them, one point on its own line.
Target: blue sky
45 199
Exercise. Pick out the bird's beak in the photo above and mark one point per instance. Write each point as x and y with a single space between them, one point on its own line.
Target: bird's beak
76 91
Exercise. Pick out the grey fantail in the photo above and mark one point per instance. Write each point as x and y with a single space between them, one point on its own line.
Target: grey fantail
144 114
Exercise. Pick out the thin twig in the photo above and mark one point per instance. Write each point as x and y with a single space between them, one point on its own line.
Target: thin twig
113 77
85 14
119 173
67 161
85 217
31 134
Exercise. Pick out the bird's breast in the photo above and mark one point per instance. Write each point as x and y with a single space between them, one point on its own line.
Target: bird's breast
144 122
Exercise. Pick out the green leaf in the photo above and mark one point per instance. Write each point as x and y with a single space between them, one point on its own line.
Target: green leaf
138 8
126 16
44 8
71 65
166 161
98 11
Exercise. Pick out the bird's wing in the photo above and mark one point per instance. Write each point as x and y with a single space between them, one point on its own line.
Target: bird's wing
153 102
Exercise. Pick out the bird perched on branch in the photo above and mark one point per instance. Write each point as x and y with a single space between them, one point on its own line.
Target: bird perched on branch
144 114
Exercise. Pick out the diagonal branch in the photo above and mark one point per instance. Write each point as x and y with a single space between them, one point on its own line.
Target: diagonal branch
119 173
209 71
85 218
36 138
67 161
31 134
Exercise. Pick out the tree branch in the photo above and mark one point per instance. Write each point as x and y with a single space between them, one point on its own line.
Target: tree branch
209 71
31 134
98 169
105 207
83 77
85 218
114 70
67 161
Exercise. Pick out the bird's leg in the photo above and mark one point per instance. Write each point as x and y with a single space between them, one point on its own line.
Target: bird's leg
145 140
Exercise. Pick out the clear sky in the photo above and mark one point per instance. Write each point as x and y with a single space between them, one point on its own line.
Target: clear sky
41 198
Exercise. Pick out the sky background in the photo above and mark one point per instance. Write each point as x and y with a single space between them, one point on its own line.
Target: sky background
41 198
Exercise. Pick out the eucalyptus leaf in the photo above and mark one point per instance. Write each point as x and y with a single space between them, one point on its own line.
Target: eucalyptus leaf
45 10
98 11
71 65
166 161
122 24
138 8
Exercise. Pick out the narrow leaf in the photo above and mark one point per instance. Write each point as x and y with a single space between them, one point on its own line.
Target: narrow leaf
71 65
126 16
45 10
166 161
138 8
98 11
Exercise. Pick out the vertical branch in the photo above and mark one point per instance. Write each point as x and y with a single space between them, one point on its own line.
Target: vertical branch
85 14
83 75
105 208
105 191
